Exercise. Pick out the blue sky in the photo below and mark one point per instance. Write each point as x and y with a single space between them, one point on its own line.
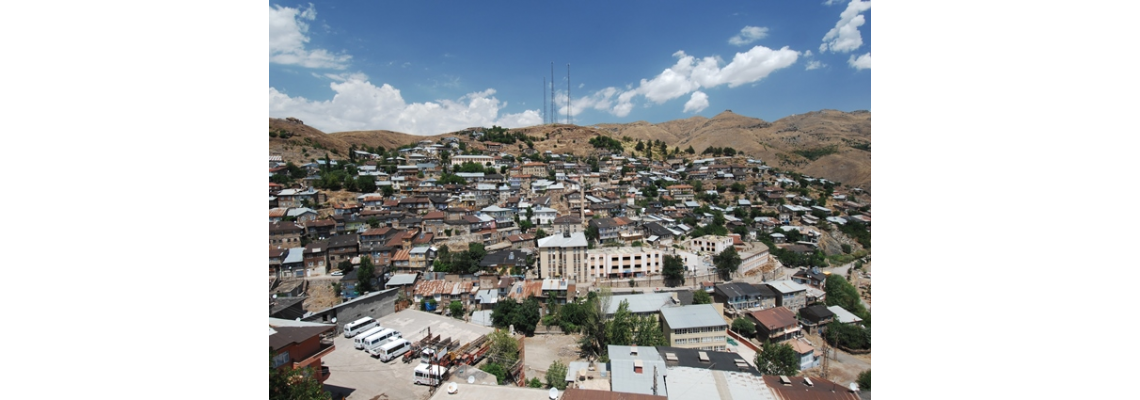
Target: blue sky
429 67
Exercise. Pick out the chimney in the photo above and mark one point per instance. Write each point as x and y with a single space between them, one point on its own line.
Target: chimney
637 366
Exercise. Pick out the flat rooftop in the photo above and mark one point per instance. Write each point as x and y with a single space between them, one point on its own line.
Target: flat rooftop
491 392
413 325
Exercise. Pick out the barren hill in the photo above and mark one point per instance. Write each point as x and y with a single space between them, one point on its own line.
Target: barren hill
830 144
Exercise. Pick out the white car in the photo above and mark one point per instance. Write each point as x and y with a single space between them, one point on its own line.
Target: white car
337 273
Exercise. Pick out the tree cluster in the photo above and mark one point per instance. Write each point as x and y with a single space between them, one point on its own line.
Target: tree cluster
524 316
464 262
727 262
777 359
719 151
608 143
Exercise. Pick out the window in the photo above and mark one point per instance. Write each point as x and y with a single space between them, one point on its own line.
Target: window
280 359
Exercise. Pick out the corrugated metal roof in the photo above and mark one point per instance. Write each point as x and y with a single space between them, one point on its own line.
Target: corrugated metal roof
692 316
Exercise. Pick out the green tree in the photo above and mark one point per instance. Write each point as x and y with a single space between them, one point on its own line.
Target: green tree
727 262
777 359
497 370
504 348
525 317
533 382
673 269
619 329
294 384
456 309
502 312
701 297
864 380
690 150
372 222
592 233
744 326
556 375
647 331
365 275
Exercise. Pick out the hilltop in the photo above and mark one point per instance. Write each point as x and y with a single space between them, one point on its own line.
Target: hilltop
831 144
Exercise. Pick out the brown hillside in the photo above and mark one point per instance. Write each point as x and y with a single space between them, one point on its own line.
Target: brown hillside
836 140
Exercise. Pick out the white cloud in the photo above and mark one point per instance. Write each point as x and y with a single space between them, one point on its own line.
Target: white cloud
697 102
360 105
863 62
288 36
831 2
807 53
748 35
814 65
845 37
686 76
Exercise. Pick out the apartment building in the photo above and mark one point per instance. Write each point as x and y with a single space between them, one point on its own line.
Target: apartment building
698 326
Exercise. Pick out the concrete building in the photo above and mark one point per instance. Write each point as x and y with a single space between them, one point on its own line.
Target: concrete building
562 256
699 326
297 345
623 262
711 243
790 295
632 370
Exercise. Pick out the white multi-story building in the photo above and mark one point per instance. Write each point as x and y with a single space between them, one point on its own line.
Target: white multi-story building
711 243
481 160
562 256
622 262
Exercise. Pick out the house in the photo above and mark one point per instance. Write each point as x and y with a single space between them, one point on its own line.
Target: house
815 317
320 229
420 257
544 215
790 295
292 266
810 277
558 291
699 326
711 243
285 234
316 256
277 214
805 352
843 316
533 168
276 257
680 192
742 296
343 248
504 260
608 229
301 214
776 324
300 345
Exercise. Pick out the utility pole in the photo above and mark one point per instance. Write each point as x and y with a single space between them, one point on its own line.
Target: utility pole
544 116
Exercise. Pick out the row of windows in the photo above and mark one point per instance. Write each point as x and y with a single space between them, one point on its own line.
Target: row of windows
704 329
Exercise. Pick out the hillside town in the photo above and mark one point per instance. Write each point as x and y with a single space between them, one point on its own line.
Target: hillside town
605 268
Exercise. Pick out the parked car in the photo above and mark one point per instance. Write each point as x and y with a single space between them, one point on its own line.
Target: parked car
337 273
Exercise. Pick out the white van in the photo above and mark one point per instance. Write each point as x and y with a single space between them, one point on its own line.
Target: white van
393 349
359 340
372 343
355 327
431 375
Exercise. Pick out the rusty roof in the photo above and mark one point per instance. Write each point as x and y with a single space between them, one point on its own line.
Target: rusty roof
775 318
429 288
821 389
402 255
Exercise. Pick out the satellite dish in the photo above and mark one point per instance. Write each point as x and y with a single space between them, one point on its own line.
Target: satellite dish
298 319
334 320
275 296
471 379
553 393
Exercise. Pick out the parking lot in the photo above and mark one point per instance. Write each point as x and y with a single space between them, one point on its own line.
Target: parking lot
355 374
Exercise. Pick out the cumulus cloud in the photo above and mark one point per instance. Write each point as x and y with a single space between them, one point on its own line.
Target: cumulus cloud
845 37
863 62
686 76
832 2
360 105
697 102
748 35
814 65
288 35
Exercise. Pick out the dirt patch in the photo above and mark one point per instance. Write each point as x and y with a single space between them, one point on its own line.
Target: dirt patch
843 367
542 350
321 295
